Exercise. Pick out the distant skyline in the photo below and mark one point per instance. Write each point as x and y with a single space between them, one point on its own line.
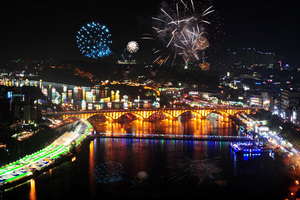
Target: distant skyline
48 29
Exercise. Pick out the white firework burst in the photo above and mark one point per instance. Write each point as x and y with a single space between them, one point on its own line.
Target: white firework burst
132 47
183 29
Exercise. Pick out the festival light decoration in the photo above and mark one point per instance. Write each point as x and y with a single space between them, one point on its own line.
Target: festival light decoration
41 159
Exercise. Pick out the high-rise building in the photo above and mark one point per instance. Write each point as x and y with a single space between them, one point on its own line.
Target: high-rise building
69 95
288 101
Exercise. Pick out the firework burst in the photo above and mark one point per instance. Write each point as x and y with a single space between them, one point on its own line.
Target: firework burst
199 171
109 172
93 40
184 28
132 47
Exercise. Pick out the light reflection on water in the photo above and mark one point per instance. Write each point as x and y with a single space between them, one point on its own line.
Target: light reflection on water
32 194
214 124
148 154
164 161
175 164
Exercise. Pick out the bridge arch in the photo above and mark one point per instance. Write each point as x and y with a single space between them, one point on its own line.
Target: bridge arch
135 114
104 114
222 113
158 112
198 115
171 113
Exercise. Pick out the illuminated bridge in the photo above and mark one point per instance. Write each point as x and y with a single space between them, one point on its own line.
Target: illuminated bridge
144 114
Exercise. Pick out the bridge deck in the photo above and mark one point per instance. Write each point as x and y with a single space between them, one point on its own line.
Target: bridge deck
172 137
172 113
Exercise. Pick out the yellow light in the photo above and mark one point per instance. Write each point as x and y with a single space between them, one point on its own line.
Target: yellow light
32 194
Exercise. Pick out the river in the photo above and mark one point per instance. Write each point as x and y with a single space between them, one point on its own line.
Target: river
127 168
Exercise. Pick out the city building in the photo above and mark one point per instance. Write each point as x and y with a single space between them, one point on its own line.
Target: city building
289 103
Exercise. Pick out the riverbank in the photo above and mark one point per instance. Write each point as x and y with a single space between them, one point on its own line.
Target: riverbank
32 165
45 136
284 141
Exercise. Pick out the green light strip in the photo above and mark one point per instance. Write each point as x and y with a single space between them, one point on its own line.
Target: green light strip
51 151
31 158
16 177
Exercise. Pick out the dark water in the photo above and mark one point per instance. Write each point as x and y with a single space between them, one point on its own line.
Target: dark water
157 169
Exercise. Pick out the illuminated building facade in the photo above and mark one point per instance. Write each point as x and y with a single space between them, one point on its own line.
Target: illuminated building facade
289 103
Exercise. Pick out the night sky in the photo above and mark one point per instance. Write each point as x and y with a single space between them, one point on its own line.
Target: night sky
41 30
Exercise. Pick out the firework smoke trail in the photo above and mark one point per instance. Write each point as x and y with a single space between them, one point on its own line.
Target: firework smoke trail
197 170
183 30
